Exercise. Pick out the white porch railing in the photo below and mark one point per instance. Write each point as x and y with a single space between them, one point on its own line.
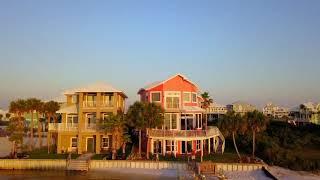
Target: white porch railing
63 127
159 133
90 127
89 103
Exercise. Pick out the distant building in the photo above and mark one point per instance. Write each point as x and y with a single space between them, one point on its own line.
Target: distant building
272 110
3 113
306 113
215 111
241 107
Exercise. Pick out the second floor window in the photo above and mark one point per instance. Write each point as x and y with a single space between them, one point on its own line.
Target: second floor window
156 97
194 97
172 102
186 97
72 119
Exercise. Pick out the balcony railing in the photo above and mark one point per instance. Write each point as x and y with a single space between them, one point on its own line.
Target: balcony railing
63 127
107 104
90 127
159 133
89 103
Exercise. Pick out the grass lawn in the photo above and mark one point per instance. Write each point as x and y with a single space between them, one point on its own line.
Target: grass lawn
43 154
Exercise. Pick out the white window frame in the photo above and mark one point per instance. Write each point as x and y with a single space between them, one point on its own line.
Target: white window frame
171 144
103 116
198 145
155 92
71 143
190 97
72 116
172 94
103 147
155 148
170 121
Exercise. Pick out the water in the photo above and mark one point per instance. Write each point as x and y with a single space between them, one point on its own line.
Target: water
111 174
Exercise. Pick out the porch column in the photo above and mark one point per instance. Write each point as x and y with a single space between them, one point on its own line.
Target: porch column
98 144
152 148
79 145
59 148
49 141
209 149
163 147
201 145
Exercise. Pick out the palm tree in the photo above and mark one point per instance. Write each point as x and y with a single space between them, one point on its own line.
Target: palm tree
1 116
16 125
49 109
40 109
114 124
232 124
31 106
206 100
257 122
142 115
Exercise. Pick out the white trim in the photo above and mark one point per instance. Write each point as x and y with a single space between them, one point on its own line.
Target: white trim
175 94
105 137
72 148
154 92
162 82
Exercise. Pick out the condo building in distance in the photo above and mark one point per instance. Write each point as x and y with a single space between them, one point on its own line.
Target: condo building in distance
80 117
272 110
241 107
185 129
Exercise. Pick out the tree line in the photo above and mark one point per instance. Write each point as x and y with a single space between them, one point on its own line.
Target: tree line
17 126
233 124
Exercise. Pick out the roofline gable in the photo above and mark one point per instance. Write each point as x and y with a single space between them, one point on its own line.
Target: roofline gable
171 77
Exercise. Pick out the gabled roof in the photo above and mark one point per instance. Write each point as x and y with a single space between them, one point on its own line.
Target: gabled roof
157 83
96 87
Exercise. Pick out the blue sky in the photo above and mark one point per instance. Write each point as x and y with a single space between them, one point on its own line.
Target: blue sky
251 50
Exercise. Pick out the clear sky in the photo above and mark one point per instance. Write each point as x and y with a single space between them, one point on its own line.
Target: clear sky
250 50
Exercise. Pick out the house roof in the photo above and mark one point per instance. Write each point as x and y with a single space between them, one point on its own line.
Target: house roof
157 83
69 110
96 87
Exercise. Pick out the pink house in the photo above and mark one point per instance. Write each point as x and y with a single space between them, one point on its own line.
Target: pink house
185 129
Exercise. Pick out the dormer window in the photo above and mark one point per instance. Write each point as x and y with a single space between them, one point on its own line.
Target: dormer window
155 97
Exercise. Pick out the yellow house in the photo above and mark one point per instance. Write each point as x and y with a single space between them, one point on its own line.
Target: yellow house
80 117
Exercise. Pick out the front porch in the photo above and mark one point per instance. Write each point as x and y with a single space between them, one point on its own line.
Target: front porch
185 142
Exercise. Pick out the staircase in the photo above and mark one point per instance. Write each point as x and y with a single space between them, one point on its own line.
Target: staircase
78 165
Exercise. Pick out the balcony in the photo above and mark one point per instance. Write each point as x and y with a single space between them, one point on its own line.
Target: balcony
184 134
90 127
63 127
89 104
107 104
